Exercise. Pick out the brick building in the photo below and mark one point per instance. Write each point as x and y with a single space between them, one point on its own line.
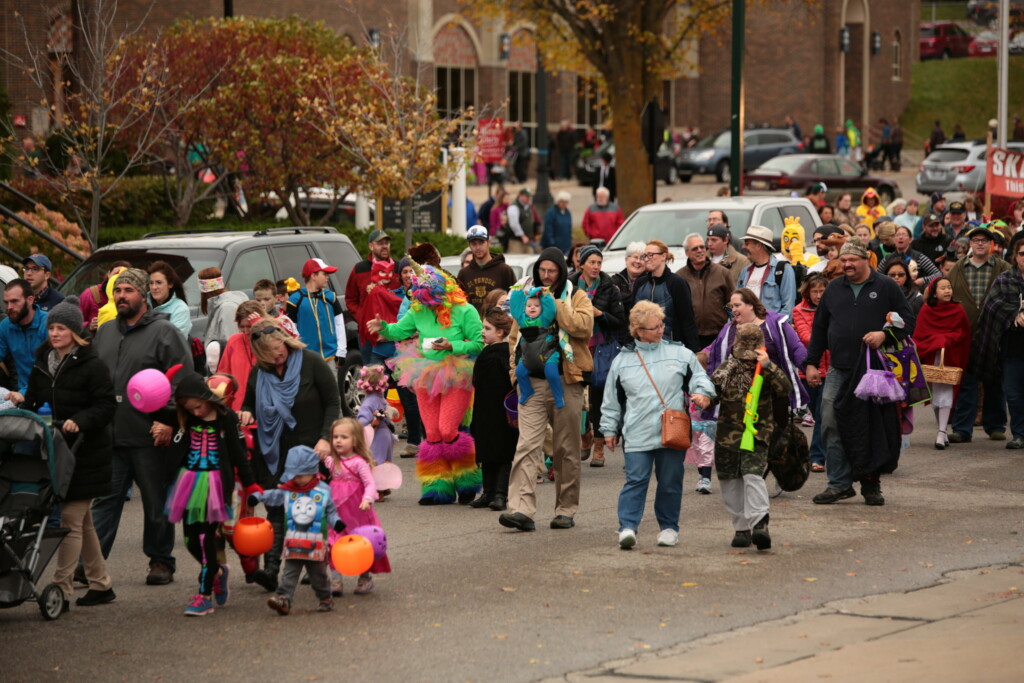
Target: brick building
793 62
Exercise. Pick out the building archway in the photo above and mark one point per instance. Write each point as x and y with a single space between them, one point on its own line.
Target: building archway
456 58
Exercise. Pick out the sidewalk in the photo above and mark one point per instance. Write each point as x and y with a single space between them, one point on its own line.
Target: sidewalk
968 628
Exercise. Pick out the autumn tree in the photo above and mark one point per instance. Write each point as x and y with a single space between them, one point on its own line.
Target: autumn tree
96 108
389 127
631 45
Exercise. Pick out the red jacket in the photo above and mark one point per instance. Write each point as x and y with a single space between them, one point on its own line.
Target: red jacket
237 360
803 321
601 222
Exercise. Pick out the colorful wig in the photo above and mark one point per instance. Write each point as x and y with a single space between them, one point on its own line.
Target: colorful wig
436 290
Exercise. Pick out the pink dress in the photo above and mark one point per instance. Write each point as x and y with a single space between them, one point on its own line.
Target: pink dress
351 484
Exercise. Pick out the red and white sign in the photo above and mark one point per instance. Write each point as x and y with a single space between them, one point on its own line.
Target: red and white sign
1005 173
490 145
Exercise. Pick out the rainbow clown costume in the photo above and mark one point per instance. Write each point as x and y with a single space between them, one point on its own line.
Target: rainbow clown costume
439 368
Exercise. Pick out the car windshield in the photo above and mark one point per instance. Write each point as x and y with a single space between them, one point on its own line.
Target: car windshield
947 154
671 226
186 263
784 164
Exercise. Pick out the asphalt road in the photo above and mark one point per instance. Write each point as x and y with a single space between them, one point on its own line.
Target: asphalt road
472 601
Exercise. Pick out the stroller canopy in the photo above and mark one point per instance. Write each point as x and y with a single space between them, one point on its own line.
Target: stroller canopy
21 425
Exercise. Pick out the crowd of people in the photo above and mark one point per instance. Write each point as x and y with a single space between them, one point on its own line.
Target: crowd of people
506 381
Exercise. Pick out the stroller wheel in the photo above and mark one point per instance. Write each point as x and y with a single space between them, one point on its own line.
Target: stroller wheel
51 602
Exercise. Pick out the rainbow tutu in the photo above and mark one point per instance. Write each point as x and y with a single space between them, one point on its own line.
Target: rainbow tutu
417 372
197 497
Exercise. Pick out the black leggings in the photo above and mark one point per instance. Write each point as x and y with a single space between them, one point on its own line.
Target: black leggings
204 542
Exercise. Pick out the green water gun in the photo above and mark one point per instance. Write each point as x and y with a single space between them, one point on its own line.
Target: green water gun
750 411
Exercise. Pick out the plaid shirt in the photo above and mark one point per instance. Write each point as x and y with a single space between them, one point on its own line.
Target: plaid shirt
977 278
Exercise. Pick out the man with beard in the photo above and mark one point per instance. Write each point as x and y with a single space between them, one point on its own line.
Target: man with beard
140 338
356 289
933 240
21 332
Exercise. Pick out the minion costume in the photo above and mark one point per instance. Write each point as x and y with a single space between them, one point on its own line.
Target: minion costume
442 380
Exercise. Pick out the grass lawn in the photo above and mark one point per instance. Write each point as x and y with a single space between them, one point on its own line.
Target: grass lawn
960 91
943 11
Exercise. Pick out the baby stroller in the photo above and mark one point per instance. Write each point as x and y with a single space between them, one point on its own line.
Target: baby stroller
35 471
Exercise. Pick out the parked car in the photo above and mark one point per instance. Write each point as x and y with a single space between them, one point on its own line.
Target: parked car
671 222
588 167
713 153
943 40
956 167
986 13
244 258
985 44
797 172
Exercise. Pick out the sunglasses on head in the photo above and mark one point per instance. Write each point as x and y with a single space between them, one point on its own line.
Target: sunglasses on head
263 331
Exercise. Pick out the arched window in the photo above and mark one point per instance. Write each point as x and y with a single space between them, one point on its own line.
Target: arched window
455 62
897 56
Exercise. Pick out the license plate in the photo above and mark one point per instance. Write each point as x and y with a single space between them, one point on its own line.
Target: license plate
936 174
759 184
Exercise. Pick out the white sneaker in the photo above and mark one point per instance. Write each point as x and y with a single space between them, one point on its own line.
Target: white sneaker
627 539
704 485
668 538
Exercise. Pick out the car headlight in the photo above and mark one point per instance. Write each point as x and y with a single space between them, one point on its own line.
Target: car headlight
703 155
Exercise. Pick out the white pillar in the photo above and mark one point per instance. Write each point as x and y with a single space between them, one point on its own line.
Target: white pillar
459 192
362 212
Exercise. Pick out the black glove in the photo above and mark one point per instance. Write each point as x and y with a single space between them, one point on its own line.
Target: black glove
253 501
339 526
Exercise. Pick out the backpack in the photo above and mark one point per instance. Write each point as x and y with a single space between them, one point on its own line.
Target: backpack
789 458
799 270
536 346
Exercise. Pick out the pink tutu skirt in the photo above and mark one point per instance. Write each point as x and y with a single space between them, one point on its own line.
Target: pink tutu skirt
414 370
197 497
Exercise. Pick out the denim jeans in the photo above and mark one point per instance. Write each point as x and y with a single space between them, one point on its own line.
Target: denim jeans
366 351
668 467
993 411
840 474
1013 385
817 446
151 469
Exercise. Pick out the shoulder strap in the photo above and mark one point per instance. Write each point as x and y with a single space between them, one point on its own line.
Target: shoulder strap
638 355
780 270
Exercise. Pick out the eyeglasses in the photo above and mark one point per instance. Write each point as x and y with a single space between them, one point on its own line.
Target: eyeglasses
699 247
896 275
979 240
30 269
651 254
656 328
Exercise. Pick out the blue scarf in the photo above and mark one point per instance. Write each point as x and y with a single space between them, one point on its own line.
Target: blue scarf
274 399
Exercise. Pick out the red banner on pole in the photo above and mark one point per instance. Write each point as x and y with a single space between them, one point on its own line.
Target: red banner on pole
1004 174
490 145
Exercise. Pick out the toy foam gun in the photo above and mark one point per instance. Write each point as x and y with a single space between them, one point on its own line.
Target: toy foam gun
750 410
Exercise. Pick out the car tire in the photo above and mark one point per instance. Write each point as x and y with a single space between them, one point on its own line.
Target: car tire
886 195
351 396
723 172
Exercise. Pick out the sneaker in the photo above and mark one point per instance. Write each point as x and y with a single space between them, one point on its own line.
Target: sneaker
365 586
159 574
808 420
997 435
830 495
627 539
668 538
742 539
280 603
199 607
94 597
760 536
325 605
220 586
704 485
1015 444
410 451
957 437
873 496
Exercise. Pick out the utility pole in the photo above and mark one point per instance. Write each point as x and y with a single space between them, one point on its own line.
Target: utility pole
739 11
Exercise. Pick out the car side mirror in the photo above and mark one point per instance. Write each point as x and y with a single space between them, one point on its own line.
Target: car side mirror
599 243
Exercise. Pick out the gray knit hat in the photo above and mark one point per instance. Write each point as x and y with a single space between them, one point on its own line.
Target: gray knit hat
67 314
134 277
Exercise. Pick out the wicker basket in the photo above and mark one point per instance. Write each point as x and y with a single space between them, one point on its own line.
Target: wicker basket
941 374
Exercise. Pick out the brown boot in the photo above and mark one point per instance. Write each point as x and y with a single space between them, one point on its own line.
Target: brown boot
598 460
586 442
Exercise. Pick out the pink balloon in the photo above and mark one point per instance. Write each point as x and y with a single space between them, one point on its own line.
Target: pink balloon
387 476
149 390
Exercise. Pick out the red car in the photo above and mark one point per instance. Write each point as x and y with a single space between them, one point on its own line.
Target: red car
943 39
797 172
985 44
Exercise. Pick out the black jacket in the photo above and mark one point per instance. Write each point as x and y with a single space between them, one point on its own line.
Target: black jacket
842 320
608 300
234 445
673 294
495 439
80 391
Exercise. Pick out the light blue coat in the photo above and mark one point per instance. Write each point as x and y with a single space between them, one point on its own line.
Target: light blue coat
675 369
178 312
778 297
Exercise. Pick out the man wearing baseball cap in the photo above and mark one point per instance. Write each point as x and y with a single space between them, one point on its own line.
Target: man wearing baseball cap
719 243
486 271
957 220
933 240
772 280
36 269
358 280
317 313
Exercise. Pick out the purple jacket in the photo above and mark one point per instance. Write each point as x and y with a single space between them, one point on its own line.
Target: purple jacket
382 445
779 335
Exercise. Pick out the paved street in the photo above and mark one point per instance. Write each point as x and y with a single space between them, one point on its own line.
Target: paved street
472 601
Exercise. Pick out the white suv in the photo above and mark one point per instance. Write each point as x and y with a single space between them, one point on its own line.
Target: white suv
956 167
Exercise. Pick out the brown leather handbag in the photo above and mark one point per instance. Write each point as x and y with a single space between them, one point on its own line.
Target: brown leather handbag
675 424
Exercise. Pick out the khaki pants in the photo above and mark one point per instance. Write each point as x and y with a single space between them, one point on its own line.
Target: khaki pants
534 416
76 515
516 246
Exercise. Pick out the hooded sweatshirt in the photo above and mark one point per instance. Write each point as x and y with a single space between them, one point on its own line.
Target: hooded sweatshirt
478 281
